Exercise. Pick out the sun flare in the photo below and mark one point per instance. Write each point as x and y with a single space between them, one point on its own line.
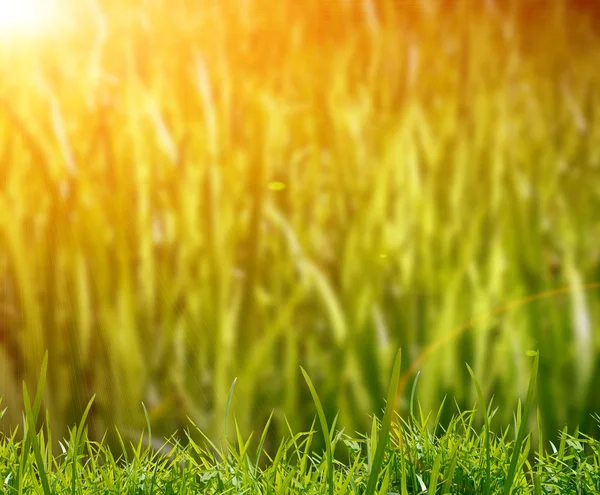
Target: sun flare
23 16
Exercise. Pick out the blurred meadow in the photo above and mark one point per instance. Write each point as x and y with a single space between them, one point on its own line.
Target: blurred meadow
194 191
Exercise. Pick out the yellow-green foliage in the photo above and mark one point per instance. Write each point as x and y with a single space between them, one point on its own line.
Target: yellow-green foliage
196 191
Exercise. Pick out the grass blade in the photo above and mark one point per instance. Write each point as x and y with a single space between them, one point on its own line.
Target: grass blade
486 423
326 435
385 426
31 420
523 424
229 397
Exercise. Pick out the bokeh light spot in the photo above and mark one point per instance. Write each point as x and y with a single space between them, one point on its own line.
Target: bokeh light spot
276 186
23 16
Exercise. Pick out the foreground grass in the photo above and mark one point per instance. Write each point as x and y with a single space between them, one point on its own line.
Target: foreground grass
451 461
437 163
412 456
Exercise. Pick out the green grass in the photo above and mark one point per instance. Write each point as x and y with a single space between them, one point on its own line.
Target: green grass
400 456
436 166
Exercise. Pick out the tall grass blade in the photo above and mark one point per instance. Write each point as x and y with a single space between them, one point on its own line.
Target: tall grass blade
512 470
261 443
229 397
326 434
384 434
31 430
76 448
486 423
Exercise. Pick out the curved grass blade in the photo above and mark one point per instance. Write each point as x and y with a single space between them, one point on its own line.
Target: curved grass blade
29 415
350 476
229 397
435 473
149 429
261 443
40 388
486 422
78 434
538 474
122 444
412 394
512 469
385 426
326 435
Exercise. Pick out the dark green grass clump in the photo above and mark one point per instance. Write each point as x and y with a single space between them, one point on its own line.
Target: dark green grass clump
405 456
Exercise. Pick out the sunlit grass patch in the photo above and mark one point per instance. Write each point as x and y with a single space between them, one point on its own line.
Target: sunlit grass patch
426 181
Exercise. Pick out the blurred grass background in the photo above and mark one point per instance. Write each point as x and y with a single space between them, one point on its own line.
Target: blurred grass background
197 191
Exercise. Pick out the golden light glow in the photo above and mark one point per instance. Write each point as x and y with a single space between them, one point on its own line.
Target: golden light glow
23 16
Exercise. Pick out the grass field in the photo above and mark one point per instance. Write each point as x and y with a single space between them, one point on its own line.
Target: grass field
397 457
192 195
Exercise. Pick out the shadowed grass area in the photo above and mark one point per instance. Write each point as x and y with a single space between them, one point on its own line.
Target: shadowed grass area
189 195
